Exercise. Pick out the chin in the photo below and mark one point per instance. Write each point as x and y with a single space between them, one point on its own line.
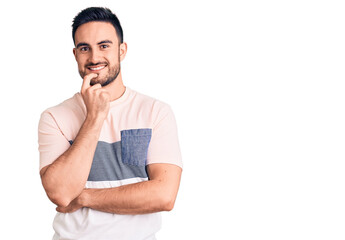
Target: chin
98 80
95 82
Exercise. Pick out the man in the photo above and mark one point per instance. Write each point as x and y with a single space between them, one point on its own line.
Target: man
109 156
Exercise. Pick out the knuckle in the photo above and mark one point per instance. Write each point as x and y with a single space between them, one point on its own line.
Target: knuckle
87 91
105 95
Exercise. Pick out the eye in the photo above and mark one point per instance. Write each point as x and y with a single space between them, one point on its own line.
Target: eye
84 49
103 46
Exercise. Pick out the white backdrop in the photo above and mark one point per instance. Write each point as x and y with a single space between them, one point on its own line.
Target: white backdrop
257 88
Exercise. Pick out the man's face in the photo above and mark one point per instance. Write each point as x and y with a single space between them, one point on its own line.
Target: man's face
97 51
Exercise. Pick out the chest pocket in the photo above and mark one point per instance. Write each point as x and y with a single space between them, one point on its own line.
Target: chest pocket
134 146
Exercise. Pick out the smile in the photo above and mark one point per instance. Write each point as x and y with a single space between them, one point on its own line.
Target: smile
96 68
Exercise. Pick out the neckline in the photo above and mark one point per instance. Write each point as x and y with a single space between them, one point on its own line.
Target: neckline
122 98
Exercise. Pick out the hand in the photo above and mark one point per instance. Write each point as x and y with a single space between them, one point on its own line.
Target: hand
96 99
77 203
72 207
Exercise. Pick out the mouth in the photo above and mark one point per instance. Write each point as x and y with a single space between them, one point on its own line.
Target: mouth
96 68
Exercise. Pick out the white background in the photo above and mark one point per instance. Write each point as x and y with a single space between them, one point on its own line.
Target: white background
257 88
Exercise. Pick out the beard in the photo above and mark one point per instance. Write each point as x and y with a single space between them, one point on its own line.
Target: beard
113 72
109 78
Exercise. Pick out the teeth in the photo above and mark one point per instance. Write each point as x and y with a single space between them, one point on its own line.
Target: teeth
98 68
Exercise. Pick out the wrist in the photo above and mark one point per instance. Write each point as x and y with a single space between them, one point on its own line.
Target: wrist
84 198
94 120
93 125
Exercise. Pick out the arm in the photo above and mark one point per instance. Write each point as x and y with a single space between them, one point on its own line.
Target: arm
65 178
157 194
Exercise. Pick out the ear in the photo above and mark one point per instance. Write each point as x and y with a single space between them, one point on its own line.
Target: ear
123 50
75 53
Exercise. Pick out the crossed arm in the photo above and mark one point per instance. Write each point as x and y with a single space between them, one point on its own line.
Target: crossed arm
64 181
157 194
65 178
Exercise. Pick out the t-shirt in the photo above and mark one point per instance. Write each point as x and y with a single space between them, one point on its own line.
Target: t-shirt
139 130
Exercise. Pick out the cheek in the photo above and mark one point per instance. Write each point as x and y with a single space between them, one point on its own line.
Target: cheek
80 61
113 57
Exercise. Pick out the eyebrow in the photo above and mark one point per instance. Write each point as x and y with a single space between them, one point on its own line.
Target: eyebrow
105 41
86 44
82 44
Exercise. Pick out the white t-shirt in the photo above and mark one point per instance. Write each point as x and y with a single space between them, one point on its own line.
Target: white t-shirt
138 131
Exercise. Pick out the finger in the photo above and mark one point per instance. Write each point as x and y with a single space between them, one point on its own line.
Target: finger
87 80
63 209
103 93
98 89
96 86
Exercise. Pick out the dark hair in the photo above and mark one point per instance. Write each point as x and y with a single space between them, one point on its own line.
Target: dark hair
97 14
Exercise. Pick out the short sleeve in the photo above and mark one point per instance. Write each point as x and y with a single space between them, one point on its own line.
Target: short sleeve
164 145
51 141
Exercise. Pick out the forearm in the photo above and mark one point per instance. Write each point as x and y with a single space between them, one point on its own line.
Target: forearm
138 198
65 178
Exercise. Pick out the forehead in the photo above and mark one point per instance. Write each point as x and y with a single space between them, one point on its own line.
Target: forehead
94 32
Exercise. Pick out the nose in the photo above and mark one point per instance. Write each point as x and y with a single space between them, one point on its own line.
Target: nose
95 56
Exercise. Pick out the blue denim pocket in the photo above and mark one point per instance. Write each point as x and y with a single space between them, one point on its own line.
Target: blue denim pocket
134 146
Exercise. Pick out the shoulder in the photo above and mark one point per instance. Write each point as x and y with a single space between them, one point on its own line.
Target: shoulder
73 105
68 116
145 100
156 107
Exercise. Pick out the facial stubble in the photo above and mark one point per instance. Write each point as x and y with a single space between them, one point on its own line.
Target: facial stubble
113 72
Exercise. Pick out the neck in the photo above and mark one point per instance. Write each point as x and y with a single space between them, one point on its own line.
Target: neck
116 88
